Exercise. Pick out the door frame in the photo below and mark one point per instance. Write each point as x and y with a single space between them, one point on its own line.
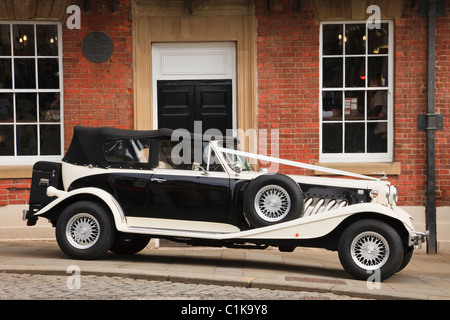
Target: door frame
171 21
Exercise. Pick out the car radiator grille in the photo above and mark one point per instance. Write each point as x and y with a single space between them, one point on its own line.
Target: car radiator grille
315 206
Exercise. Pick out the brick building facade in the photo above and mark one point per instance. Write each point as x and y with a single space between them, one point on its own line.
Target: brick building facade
281 62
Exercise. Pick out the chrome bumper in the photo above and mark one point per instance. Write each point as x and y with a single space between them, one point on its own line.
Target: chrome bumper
416 238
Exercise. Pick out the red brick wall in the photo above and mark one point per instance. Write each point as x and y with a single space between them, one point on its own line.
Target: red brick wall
288 91
14 191
288 78
99 94
410 99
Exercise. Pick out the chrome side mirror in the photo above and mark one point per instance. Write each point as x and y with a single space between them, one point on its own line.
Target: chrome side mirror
196 166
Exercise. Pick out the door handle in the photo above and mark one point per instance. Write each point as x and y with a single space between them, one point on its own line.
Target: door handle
159 180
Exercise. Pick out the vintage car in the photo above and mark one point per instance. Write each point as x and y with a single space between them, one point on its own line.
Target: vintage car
116 189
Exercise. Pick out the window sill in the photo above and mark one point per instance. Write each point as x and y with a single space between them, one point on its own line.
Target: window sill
15 172
367 168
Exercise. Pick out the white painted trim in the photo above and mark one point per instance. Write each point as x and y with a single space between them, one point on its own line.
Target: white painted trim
169 224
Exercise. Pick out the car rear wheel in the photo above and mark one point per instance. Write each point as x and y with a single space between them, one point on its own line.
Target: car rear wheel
271 199
85 230
370 247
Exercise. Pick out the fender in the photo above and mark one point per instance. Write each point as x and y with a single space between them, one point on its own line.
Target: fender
322 224
105 197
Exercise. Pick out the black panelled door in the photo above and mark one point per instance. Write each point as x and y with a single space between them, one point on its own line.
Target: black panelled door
181 102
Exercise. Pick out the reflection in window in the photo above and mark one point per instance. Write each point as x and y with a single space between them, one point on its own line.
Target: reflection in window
47 40
5 40
50 139
355 72
30 101
127 151
26 140
48 71
355 39
6 107
5 74
24 73
23 40
6 140
26 107
332 72
49 107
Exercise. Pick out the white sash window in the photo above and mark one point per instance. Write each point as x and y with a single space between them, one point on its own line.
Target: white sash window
31 99
356 86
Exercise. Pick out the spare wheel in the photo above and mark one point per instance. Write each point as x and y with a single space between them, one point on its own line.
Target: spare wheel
271 199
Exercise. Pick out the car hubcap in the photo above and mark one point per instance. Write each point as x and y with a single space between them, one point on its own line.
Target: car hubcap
82 231
370 250
272 203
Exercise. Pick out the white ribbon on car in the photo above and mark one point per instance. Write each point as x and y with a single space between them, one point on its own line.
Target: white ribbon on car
296 164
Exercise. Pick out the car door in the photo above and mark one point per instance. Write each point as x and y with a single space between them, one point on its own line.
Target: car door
189 195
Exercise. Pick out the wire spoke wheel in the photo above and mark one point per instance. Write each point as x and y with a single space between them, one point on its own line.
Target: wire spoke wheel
82 231
369 250
272 203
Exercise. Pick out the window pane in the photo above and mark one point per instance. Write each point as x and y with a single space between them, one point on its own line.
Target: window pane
25 74
5 41
6 107
7 140
355 39
377 137
47 40
26 109
332 72
26 140
377 105
378 71
332 138
49 107
50 136
5 74
354 138
354 105
355 69
48 73
379 40
118 152
332 39
23 39
331 105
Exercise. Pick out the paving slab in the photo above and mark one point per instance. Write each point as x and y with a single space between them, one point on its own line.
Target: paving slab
427 277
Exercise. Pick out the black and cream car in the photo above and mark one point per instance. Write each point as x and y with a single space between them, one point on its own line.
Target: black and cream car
115 189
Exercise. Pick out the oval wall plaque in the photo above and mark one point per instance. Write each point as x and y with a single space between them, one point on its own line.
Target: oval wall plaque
97 46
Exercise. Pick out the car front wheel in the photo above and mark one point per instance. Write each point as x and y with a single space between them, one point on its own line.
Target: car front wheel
85 230
370 248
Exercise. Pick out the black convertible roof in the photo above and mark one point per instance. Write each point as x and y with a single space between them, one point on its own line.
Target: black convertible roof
86 147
